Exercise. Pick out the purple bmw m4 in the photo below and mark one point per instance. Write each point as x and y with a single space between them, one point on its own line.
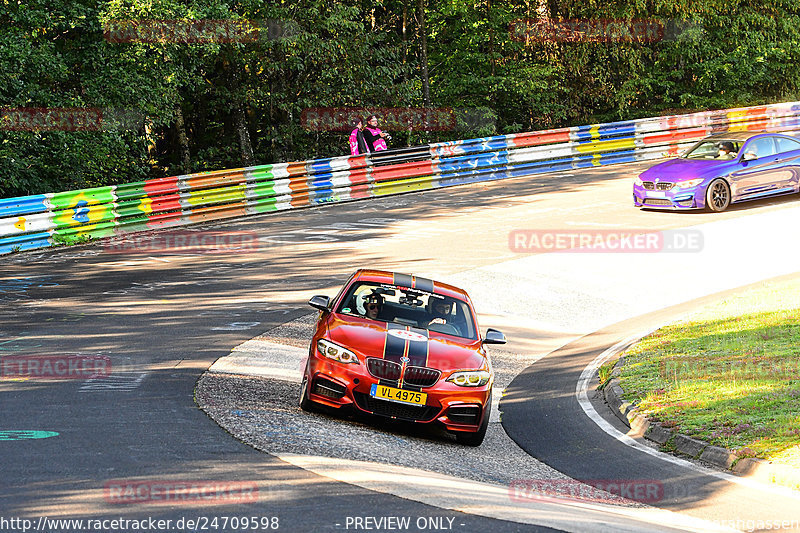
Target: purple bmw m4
720 170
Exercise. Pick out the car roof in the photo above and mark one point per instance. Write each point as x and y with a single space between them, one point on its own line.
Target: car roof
739 135
384 276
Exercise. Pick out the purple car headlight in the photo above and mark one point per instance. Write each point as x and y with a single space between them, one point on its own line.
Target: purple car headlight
688 184
638 182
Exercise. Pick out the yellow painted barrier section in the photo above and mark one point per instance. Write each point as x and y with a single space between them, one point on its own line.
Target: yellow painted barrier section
399 186
606 146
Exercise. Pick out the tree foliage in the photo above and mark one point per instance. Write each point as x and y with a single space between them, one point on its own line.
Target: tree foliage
172 107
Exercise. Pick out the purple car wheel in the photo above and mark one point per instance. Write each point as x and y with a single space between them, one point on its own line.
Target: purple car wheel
718 196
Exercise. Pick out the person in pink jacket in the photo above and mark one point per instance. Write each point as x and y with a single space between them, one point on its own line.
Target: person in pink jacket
358 145
376 139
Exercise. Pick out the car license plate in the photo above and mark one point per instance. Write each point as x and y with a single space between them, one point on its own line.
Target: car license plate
397 395
656 194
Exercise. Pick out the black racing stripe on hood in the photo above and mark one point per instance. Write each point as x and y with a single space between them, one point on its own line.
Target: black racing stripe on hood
394 347
418 350
403 280
423 284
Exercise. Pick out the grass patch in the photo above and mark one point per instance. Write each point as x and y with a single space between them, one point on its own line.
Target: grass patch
729 374
73 239
604 373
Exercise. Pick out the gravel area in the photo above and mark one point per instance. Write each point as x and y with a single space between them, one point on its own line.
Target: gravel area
297 333
263 412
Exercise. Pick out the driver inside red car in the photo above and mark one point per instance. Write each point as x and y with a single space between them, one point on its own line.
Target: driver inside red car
373 306
440 312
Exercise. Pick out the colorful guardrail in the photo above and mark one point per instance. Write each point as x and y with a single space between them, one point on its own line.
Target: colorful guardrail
38 221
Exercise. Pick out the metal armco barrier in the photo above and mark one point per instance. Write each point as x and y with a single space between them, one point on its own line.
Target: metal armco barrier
38 221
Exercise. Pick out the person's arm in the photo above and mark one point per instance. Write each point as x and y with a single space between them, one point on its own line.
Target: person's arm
374 138
363 147
370 138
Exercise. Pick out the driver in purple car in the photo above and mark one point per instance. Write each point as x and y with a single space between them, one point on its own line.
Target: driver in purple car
726 150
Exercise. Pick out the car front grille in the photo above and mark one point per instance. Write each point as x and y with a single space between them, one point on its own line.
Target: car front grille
661 186
416 376
656 201
383 369
420 376
400 411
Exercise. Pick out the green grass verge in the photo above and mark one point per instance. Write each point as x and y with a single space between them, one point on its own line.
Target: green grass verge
604 373
729 374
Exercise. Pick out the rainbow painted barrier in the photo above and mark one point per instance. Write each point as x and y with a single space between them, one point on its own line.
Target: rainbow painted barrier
38 221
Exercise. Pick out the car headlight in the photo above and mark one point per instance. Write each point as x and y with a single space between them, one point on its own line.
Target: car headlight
336 352
470 378
638 182
688 183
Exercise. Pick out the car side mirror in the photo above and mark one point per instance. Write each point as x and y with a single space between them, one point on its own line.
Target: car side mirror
494 337
749 156
320 302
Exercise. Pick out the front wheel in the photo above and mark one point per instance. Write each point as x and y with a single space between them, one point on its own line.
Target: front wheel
718 196
305 403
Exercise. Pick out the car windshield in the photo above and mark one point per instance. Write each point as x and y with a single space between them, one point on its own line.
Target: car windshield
720 149
409 307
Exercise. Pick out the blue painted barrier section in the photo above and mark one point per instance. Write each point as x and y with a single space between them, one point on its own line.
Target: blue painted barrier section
20 243
22 205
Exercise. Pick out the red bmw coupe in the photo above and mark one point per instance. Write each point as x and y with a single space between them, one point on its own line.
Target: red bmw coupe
402 347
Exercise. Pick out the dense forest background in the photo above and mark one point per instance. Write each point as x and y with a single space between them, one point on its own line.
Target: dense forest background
177 107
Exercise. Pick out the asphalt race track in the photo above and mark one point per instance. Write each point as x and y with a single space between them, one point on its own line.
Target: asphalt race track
159 320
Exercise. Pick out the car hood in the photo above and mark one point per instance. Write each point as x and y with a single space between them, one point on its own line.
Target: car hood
370 339
684 169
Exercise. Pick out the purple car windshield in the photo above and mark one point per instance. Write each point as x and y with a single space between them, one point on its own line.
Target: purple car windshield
719 149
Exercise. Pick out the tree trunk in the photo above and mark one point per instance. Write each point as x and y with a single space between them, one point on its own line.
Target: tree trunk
244 136
183 141
405 43
426 91
491 39
239 118
423 39
150 139
405 64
